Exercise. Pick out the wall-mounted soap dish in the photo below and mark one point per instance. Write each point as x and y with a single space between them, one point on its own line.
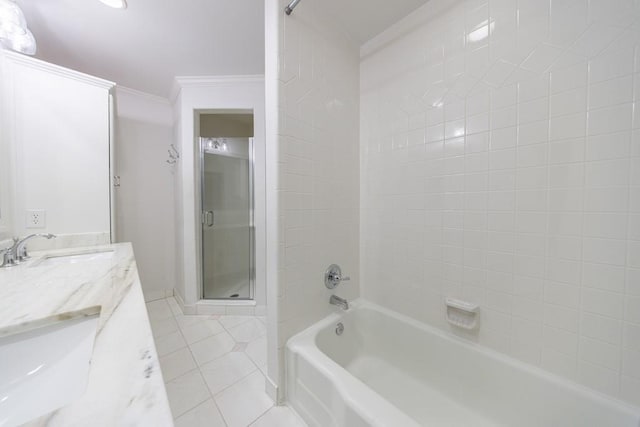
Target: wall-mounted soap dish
462 314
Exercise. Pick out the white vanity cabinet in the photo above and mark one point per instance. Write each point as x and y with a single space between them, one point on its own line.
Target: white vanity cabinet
56 125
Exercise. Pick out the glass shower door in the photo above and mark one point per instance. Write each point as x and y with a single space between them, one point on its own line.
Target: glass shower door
227 218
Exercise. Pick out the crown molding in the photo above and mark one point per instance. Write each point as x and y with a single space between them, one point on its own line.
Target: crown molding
144 95
57 70
182 82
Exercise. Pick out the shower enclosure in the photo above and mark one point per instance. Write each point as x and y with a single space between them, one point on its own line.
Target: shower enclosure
228 267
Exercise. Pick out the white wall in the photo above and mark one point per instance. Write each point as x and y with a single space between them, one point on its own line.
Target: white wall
505 170
144 200
318 166
227 93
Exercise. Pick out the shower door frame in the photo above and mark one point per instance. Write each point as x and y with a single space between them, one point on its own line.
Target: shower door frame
252 234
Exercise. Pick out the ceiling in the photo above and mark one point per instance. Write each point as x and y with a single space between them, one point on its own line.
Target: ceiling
365 19
146 45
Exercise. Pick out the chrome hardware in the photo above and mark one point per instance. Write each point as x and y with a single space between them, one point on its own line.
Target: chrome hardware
291 6
339 328
18 251
21 248
208 218
8 257
340 302
333 276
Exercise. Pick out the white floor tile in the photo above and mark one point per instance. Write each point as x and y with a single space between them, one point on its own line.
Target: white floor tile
248 331
163 327
204 415
226 370
279 416
231 321
257 351
170 343
185 320
159 310
186 392
201 330
212 347
234 401
177 363
174 306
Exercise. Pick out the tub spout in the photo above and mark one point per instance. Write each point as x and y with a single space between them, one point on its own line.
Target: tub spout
340 302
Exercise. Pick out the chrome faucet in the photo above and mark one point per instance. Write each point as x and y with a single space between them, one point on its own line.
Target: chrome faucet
18 251
21 248
340 302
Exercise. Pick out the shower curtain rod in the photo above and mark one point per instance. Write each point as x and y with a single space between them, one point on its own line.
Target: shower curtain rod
291 6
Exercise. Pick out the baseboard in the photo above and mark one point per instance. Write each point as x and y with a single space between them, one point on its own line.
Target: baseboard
186 309
156 294
272 391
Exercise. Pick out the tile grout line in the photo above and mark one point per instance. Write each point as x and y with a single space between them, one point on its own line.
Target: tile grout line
198 365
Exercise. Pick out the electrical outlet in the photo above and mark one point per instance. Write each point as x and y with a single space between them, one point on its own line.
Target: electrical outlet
36 218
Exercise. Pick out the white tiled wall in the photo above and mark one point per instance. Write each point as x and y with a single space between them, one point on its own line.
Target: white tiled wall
504 169
318 182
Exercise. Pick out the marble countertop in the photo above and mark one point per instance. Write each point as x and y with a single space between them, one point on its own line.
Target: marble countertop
125 386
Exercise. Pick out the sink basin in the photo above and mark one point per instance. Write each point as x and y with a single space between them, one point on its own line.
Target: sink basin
45 367
75 257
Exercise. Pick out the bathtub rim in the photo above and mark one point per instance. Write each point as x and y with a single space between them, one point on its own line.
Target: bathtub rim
304 343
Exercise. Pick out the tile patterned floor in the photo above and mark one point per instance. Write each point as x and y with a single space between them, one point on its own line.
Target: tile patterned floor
213 368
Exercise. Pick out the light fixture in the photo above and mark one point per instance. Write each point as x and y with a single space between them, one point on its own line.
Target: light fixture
14 33
117 4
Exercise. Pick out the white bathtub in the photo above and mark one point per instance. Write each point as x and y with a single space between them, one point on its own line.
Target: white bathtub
388 370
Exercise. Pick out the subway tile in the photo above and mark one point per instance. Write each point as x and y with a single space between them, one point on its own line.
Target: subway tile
504 138
526 193
566 175
567 151
570 126
608 146
569 78
533 133
601 328
561 341
610 92
532 155
606 251
610 119
600 353
610 65
606 225
504 96
502 179
533 88
610 304
567 247
561 317
603 276
533 111
569 102
599 378
531 178
505 117
632 309
562 294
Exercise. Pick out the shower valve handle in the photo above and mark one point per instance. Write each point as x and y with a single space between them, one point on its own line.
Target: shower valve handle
333 276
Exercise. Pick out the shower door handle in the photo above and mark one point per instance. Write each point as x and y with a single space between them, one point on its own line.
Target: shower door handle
208 218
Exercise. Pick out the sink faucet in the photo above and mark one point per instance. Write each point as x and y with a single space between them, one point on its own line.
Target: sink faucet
340 302
18 251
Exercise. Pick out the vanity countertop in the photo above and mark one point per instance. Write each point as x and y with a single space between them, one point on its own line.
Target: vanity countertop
125 386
